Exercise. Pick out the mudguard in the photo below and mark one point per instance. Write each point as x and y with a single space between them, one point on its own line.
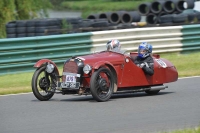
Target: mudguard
43 62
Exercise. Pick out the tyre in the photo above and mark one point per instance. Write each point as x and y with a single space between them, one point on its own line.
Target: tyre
166 19
40 29
21 35
100 24
30 34
21 23
11 24
152 18
152 92
10 30
42 84
20 30
11 35
41 23
54 22
102 84
180 18
198 15
144 8
30 23
40 34
30 29
191 17
73 20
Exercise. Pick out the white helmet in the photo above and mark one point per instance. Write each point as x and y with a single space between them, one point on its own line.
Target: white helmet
113 45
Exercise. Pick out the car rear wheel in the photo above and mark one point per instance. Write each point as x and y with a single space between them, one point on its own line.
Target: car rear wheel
43 84
102 84
152 92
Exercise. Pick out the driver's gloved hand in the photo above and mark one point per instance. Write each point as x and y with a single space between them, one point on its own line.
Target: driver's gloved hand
143 65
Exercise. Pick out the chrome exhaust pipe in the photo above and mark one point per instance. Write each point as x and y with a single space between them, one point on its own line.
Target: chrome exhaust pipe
156 88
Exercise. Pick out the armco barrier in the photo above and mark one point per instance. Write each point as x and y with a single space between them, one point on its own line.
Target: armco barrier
20 54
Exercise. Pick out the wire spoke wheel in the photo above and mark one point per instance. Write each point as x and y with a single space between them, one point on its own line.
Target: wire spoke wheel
43 84
102 84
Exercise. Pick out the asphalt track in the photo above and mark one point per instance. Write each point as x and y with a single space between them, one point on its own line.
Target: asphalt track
176 107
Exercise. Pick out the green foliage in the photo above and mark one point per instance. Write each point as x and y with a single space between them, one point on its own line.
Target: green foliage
19 10
192 130
66 26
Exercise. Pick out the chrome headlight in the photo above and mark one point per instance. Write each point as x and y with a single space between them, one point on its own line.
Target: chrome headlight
50 68
86 69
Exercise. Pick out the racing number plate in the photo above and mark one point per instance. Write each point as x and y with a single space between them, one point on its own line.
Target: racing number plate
70 78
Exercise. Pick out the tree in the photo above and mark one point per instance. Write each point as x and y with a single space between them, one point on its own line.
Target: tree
11 10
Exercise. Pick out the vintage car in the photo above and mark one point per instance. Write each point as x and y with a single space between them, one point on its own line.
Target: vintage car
100 74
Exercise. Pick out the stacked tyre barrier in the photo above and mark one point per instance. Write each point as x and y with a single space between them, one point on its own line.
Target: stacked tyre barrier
167 11
42 27
118 18
29 28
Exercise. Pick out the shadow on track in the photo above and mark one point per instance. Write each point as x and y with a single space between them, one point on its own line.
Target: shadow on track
89 98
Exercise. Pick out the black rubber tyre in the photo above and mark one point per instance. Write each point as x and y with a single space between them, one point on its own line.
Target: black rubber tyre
41 23
152 92
11 35
166 19
144 8
93 16
73 20
191 17
102 84
40 34
180 18
190 4
40 29
30 34
40 87
21 35
198 15
30 23
85 23
152 18
20 30
21 23
10 30
100 24
157 6
169 6
124 26
30 29
11 24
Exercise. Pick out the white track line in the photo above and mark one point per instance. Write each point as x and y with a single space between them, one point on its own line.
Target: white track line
32 92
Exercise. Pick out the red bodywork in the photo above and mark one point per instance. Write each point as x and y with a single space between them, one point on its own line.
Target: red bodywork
44 61
127 73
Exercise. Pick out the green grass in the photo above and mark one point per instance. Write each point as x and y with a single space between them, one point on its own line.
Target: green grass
186 64
88 7
191 130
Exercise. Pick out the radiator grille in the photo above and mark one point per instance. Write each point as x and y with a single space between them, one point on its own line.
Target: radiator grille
70 67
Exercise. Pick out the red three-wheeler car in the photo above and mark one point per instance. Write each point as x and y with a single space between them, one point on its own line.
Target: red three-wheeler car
100 74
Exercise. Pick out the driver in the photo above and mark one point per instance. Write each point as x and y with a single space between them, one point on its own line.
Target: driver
113 45
144 59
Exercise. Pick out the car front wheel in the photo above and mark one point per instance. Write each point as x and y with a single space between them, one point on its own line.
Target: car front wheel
102 84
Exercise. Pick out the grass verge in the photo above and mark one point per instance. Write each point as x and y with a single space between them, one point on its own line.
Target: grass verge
186 64
189 130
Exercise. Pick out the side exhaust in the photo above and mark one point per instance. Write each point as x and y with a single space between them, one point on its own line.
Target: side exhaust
156 88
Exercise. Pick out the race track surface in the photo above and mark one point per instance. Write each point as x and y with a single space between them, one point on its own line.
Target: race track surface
176 107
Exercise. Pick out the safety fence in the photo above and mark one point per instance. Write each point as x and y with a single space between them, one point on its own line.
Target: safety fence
20 54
